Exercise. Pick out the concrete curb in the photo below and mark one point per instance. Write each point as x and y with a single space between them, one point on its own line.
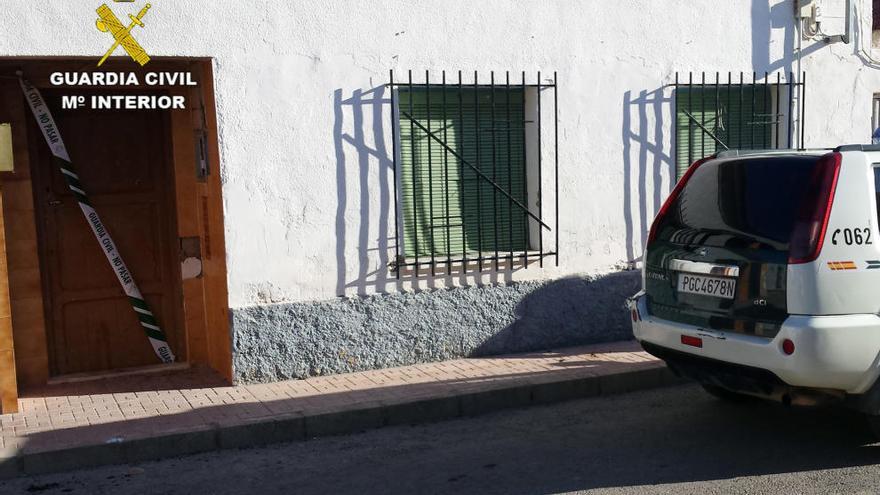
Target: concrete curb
297 427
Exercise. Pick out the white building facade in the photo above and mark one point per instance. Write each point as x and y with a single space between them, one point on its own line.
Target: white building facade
322 162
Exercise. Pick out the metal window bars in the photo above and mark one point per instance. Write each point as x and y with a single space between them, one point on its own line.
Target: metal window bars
469 172
737 112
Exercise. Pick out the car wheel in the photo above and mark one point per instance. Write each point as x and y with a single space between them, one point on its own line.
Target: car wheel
726 395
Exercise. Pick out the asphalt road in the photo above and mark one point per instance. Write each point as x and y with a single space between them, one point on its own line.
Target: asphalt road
673 440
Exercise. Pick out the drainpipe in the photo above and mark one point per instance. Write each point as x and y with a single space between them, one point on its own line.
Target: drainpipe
846 37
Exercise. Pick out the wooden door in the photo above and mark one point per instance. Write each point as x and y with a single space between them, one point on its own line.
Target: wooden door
123 159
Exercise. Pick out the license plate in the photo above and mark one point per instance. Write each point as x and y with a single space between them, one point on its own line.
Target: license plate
708 286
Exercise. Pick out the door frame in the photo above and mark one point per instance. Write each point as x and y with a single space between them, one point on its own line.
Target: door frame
197 203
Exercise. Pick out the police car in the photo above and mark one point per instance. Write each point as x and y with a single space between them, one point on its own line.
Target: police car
761 277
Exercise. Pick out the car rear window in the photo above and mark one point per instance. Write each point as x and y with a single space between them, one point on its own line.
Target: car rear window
877 188
741 201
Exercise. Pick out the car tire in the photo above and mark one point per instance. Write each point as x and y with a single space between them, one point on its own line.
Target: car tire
727 395
874 424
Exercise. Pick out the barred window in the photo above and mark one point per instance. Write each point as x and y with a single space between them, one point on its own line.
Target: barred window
713 116
469 173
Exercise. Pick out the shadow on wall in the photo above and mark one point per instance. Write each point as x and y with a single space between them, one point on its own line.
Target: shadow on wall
566 312
370 161
766 18
645 159
365 215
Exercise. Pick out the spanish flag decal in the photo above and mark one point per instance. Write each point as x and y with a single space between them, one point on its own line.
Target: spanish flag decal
842 265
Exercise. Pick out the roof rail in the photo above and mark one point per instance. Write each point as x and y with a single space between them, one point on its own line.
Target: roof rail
736 153
858 147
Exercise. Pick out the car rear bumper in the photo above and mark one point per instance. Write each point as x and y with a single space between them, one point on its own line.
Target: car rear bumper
831 352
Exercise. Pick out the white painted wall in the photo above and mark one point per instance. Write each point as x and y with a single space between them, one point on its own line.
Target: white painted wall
305 129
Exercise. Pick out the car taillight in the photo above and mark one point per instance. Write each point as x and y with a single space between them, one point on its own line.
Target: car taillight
812 217
652 234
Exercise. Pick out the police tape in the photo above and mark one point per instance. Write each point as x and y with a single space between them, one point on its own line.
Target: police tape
56 145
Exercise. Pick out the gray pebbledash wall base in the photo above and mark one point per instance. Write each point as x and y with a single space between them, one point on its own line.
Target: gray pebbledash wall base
297 340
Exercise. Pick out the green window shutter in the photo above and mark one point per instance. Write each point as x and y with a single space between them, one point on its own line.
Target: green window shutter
740 117
447 208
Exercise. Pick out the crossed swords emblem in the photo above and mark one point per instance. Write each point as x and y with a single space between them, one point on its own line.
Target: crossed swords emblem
121 34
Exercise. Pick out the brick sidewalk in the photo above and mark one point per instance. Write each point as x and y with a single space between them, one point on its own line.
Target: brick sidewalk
196 412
